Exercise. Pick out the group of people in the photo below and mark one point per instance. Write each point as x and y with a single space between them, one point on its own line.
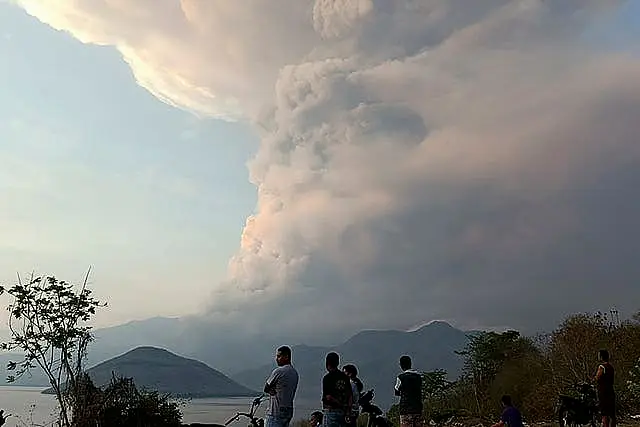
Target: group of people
341 392
342 389
604 380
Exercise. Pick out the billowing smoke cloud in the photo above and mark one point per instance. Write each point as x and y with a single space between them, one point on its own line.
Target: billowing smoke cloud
468 160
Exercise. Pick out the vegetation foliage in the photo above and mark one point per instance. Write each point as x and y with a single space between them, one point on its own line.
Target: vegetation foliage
121 403
535 371
634 382
49 324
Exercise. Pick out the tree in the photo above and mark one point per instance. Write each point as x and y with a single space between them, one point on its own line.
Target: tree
485 356
438 394
48 323
634 384
441 399
535 371
434 383
122 403
574 349
526 377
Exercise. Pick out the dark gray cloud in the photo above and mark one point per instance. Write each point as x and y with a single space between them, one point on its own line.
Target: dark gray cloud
420 159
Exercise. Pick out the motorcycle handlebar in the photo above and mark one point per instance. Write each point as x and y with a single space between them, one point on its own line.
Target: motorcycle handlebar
251 414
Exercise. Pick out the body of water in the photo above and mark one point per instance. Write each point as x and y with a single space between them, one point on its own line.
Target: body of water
29 406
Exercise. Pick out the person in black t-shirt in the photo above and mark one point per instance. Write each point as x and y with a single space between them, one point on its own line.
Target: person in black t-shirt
409 389
336 394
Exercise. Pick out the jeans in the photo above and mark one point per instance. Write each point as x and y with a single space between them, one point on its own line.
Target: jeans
333 418
281 419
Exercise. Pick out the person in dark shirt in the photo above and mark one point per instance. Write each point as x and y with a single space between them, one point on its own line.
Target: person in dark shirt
336 394
510 417
606 395
409 388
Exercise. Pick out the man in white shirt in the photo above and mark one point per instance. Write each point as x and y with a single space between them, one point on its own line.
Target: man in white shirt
281 387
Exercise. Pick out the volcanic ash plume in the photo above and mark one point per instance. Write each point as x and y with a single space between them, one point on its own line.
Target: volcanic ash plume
470 160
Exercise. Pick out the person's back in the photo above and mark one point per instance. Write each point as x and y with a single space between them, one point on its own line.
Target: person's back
410 392
336 394
512 417
409 388
337 385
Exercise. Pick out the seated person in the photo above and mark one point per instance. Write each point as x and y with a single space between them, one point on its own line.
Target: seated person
511 417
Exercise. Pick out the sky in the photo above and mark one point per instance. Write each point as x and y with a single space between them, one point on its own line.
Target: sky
95 171
326 164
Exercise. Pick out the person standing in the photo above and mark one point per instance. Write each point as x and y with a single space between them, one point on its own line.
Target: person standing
337 397
606 395
356 389
409 388
281 387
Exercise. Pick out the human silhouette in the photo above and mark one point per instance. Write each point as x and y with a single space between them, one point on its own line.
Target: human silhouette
606 394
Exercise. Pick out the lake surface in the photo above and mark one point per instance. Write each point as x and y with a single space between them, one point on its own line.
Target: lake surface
28 405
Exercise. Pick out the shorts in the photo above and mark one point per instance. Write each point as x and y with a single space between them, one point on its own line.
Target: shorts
333 418
411 420
281 420
607 406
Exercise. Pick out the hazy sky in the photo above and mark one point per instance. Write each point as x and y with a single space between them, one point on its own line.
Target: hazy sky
96 171
410 160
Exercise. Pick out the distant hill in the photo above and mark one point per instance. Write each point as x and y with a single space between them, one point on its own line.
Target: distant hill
166 372
191 336
376 355
374 352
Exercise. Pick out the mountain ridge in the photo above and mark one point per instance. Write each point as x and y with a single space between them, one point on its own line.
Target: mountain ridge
162 370
376 354
431 345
